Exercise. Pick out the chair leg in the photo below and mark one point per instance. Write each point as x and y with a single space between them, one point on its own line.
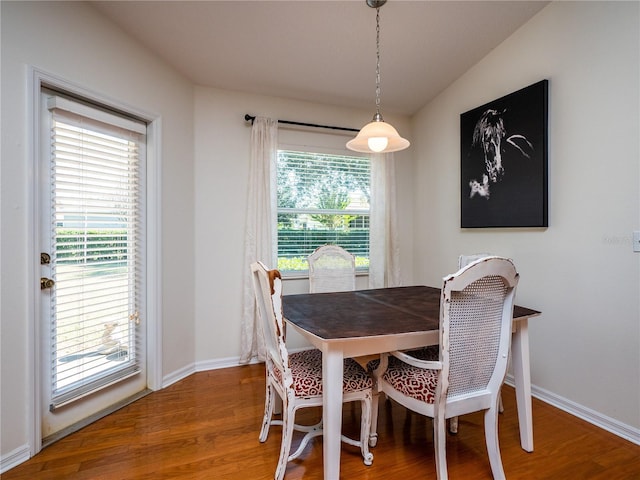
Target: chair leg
453 425
365 429
288 422
440 445
373 431
269 400
453 421
491 438
375 400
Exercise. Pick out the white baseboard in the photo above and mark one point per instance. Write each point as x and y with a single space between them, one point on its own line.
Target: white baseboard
221 363
202 367
233 361
595 418
178 375
15 458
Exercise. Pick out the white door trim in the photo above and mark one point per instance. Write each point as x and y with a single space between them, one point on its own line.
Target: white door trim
37 79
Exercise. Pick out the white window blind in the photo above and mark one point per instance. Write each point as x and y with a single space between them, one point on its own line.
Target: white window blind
97 248
322 199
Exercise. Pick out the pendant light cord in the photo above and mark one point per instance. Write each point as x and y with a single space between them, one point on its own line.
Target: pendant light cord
378 116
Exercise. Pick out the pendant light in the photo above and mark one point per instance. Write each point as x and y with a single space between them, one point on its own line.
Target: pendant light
377 136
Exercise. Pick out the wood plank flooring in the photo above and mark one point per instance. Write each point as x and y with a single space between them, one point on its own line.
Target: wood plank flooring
206 427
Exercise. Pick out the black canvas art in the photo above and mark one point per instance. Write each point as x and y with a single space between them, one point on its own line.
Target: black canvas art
504 161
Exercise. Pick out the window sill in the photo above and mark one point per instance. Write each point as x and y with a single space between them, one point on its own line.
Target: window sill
305 275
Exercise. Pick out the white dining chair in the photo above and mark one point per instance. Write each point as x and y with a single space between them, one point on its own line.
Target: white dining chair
331 269
297 377
463 261
476 313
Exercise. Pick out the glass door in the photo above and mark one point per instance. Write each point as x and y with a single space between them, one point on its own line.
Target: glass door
92 261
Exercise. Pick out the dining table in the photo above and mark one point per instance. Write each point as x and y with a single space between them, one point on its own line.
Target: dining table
369 322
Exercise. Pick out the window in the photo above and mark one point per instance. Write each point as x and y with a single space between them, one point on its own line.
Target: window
321 198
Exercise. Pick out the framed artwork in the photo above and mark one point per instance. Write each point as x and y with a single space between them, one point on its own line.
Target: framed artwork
503 147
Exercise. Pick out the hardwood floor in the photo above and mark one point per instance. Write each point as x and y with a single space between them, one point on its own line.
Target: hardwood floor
206 427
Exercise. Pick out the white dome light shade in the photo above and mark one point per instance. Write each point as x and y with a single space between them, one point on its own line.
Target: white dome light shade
379 137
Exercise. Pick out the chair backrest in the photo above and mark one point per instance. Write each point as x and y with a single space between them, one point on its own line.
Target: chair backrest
476 314
464 260
331 269
267 285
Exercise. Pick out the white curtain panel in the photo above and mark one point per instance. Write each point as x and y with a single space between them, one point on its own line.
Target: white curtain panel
260 229
384 252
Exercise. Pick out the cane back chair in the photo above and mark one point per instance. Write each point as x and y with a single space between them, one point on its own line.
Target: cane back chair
331 269
476 312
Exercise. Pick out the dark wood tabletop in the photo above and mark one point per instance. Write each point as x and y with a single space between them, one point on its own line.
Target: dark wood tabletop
363 313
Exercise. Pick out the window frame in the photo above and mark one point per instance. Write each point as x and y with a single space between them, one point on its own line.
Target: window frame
320 143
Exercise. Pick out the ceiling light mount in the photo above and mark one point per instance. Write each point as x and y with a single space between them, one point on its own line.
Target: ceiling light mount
376 3
377 136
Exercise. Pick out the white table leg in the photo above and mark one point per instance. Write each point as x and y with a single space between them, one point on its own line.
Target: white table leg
522 378
332 372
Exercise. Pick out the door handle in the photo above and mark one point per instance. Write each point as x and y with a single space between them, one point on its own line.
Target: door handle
46 283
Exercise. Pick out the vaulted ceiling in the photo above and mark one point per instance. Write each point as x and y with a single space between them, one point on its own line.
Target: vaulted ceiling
323 51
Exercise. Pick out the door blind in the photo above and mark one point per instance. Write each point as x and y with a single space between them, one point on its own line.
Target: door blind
97 239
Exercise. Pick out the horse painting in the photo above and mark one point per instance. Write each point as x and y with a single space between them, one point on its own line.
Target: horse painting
504 161
488 134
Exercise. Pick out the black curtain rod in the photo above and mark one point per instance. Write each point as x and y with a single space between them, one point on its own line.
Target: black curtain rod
250 118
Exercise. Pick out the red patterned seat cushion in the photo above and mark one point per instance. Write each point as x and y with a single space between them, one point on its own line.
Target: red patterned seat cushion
306 370
411 381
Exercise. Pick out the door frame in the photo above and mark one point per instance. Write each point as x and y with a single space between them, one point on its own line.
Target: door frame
37 79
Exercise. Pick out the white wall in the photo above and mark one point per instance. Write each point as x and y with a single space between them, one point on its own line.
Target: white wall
71 41
581 271
222 167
